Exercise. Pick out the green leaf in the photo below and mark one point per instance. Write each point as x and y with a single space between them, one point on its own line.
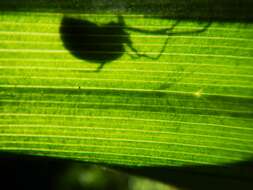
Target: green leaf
179 93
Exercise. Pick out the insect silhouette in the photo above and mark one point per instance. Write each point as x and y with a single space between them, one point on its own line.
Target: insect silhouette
103 43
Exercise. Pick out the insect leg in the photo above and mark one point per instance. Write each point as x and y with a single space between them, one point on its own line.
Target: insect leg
165 31
100 67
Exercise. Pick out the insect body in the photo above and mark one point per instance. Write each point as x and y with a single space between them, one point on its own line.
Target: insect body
89 41
104 43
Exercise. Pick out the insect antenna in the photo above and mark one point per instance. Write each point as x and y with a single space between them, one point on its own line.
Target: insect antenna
166 31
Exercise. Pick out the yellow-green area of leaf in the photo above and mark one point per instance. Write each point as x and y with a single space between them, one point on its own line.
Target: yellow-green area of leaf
178 93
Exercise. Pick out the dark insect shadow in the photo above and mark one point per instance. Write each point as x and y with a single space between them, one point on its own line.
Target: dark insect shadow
88 41
102 44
